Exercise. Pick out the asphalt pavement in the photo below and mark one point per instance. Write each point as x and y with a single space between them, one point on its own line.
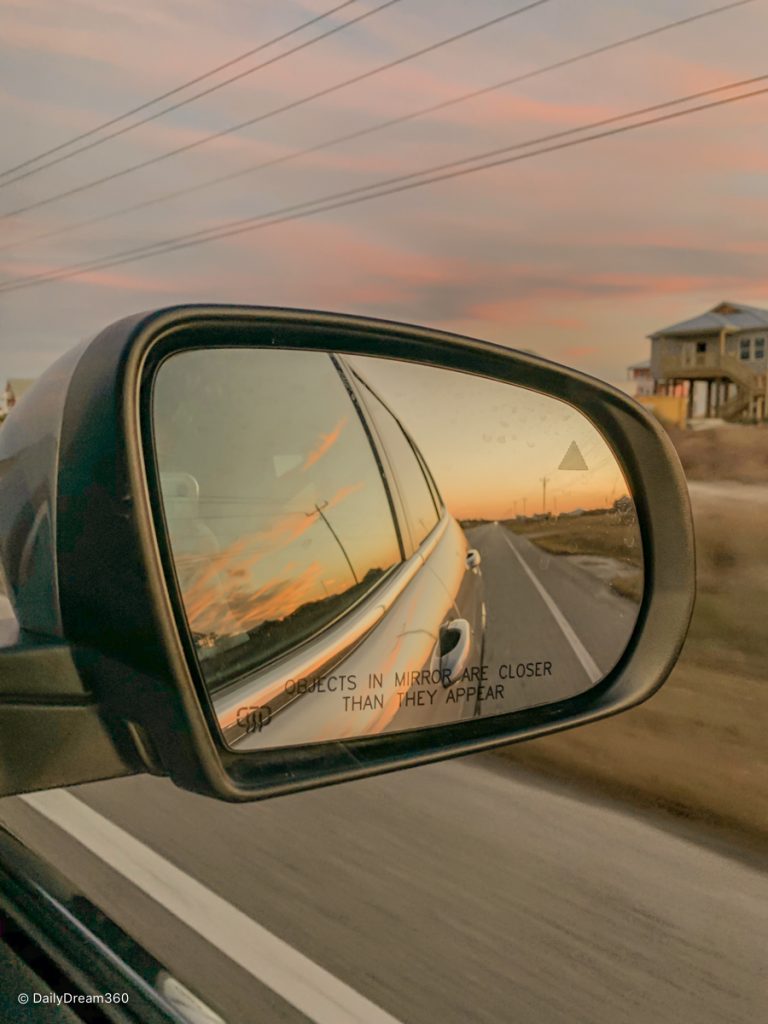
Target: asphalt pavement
542 608
456 892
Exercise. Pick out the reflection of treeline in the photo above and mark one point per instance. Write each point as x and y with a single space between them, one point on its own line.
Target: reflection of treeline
623 508
274 637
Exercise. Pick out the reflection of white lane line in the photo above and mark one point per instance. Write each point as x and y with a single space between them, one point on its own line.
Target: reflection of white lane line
299 981
581 652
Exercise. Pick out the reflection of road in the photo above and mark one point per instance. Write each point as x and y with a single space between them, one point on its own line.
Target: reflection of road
542 609
451 893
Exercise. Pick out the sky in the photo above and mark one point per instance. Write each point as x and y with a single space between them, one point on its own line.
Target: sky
576 254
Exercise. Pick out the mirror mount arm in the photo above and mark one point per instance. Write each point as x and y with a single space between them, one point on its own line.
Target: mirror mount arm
51 730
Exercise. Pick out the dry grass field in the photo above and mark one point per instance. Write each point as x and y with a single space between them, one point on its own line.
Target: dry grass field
601 533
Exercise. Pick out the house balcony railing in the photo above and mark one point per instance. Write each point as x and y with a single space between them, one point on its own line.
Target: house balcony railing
711 365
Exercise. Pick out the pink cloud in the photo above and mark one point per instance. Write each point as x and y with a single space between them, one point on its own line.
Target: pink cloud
108 278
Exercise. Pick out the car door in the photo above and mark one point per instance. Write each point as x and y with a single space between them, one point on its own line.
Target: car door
458 651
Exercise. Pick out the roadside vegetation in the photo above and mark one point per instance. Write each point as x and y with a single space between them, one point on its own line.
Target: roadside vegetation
592 535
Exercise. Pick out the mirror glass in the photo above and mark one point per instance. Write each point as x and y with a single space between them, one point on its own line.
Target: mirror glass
365 545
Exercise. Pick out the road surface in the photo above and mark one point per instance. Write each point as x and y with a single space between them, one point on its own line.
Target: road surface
453 893
543 608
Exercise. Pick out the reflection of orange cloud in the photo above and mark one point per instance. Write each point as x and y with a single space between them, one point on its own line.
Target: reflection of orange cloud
220 607
275 600
345 492
215 588
327 441
494 505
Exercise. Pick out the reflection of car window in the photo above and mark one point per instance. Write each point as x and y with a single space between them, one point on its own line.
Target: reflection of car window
415 492
278 516
430 481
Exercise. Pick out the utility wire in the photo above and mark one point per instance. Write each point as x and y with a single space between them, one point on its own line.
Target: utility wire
369 130
165 95
401 183
198 95
282 109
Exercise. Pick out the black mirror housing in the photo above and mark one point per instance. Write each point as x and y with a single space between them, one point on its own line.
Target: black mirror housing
102 666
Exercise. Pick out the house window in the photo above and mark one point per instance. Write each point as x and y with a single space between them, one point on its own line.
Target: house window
701 346
744 347
759 348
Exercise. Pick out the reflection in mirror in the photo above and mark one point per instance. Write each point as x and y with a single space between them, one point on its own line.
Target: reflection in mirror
365 545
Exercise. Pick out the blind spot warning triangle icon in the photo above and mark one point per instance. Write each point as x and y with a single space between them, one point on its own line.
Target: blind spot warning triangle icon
573 459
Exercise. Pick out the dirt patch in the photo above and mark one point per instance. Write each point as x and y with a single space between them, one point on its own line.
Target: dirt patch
698 748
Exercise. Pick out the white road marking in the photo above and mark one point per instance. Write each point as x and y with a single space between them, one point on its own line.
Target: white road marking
586 659
298 980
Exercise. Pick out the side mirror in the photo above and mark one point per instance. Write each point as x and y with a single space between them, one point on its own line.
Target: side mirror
263 550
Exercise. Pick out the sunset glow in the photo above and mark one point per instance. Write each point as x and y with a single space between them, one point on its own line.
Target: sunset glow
577 254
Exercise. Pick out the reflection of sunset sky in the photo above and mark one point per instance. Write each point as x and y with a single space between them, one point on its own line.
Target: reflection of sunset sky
290 498
488 443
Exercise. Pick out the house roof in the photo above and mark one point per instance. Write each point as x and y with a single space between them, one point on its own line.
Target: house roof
732 315
644 364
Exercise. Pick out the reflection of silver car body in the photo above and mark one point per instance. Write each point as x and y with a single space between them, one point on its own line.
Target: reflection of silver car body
390 660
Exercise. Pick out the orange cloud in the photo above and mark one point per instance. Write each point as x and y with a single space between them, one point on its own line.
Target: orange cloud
218 592
118 280
579 351
326 443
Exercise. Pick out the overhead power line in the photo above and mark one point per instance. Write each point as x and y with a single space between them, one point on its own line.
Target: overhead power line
171 92
401 183
327 91
204 92
370 129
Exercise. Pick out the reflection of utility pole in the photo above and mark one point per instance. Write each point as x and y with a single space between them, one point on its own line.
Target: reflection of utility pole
544 482
319 511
